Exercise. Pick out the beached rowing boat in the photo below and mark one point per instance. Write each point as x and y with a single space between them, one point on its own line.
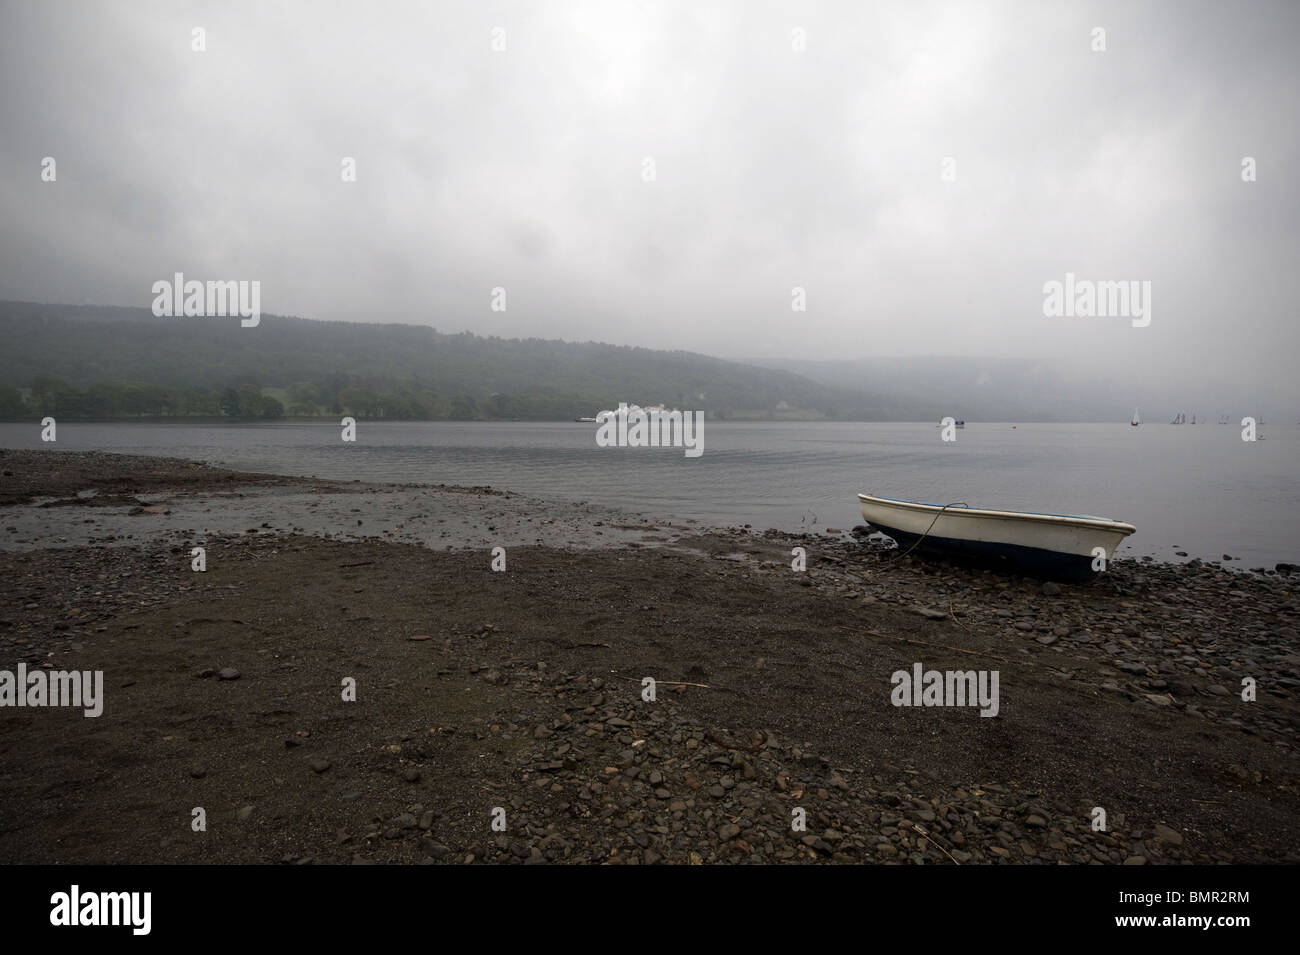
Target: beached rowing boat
1060 546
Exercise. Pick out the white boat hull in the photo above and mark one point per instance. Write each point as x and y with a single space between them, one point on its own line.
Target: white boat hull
1050 545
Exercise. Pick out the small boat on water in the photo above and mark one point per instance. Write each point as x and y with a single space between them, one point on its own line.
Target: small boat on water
1058 546
1137 420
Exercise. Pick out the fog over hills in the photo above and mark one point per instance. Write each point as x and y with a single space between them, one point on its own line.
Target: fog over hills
1022 389
137 363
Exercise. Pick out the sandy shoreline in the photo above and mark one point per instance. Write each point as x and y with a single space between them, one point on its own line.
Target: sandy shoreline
521 690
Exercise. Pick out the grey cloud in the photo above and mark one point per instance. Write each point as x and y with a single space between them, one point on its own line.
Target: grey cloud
775 169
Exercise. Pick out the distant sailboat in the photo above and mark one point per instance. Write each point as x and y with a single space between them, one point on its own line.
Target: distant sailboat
1137 420
1193 417
1179 418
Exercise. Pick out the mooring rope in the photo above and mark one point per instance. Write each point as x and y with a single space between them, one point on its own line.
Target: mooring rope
917 543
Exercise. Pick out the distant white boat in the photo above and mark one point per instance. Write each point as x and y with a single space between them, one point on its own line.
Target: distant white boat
632 411
1137 420
1045 545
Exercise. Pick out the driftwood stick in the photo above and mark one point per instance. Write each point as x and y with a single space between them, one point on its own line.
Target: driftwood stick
634 679
930 839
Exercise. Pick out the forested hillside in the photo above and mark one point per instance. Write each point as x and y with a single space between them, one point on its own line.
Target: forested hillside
92 361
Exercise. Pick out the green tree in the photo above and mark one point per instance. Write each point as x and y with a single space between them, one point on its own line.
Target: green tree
361 402
11 402
304 393
463 407
250 400
53 396
392 405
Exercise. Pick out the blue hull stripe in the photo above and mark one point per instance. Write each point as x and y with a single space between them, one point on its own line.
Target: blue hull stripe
1033 561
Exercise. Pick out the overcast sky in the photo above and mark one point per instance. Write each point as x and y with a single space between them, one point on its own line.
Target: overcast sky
774 168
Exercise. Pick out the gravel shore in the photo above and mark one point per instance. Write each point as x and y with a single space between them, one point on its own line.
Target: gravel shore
516 696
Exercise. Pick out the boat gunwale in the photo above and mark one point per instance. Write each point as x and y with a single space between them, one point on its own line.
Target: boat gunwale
1075 520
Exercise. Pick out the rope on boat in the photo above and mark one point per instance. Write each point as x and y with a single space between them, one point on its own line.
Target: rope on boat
927 531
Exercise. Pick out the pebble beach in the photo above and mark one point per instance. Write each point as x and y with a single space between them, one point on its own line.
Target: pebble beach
501 715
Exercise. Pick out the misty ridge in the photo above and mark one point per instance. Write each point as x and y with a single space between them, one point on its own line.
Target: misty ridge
99 361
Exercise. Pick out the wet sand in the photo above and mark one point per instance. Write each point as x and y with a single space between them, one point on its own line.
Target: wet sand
521 690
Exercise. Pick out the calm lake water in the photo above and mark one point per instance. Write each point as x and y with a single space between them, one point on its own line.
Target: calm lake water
1198 488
